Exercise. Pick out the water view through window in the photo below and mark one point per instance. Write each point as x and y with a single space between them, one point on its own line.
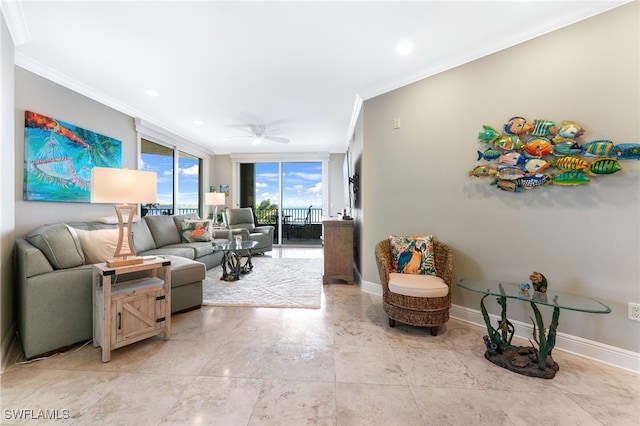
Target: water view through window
160 159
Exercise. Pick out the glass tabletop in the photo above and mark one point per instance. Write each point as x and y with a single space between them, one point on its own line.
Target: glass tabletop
550 298
234 246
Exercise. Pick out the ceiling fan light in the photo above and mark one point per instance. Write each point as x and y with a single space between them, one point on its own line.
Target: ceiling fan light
257 140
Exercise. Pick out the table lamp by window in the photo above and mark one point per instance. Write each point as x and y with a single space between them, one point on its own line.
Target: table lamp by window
214 199
111 185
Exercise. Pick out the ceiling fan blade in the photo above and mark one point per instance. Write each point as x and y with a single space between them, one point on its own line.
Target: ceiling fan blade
276 139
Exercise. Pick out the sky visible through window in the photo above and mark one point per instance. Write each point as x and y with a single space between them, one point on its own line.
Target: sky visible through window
188 173
302 184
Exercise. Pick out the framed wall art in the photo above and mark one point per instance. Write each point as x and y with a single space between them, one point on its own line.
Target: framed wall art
58 158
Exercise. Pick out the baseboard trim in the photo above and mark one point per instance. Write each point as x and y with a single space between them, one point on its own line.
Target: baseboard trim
600 352
7 346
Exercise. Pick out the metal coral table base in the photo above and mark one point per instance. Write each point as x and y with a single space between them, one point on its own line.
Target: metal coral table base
232 266
524 360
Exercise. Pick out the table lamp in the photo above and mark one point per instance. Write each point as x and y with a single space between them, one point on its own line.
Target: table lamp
214 199
111 185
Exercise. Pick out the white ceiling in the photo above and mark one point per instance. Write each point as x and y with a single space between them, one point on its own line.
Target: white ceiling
301 67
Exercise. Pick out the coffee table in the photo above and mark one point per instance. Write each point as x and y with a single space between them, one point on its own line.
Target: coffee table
526 360
232 264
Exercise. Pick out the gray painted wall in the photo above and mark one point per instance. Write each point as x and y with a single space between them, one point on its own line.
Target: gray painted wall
6 188
584 239
37 94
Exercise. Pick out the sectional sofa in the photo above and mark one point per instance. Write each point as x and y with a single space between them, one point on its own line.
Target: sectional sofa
54 273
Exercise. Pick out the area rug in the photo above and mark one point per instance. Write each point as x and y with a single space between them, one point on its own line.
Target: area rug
273 283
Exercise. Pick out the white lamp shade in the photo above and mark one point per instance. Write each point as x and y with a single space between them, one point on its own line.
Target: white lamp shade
114 186
214 199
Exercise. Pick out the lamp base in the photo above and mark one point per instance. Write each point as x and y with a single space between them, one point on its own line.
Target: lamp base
114 263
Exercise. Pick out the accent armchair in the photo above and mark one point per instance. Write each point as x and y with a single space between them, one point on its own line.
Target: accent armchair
241 222
413 298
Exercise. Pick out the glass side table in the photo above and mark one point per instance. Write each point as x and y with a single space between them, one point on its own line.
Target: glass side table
234 252
526 360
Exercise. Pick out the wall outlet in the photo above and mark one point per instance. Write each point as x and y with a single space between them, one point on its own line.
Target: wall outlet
634 311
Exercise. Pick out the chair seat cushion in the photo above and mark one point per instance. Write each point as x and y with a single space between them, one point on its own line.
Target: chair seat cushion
417 285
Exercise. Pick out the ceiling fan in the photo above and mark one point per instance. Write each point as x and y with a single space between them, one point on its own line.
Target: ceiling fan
259 132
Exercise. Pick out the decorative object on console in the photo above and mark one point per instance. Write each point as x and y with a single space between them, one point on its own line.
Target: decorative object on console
215 199
525 149
59 157
539 282
123 186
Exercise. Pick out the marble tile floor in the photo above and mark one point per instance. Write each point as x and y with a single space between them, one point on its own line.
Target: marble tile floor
338 365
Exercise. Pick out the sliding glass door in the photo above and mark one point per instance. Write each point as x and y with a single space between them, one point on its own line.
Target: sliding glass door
302 202
286 195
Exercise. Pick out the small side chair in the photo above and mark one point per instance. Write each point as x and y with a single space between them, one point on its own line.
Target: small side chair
415 299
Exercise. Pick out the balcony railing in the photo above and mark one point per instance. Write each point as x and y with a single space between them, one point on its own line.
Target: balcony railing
263 216
298 215
167 211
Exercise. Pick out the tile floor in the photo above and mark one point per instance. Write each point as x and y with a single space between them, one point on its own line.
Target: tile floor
339 365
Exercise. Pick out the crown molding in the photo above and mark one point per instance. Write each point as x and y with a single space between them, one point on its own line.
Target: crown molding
14 17
148 125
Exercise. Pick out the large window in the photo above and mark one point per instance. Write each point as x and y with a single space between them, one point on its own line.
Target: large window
178 192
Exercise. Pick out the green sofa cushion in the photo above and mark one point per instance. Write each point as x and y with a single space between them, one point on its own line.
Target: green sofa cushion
164 230
59 243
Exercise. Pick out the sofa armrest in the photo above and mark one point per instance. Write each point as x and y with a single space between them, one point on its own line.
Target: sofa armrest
266 229
221 234
29 260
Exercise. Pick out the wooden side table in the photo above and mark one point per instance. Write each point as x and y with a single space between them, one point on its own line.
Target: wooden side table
128 311
338 250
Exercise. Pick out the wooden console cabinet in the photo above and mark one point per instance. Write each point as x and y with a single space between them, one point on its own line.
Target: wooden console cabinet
338 250
128 311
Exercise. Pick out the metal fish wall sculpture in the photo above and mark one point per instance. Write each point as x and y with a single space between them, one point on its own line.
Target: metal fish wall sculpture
525 148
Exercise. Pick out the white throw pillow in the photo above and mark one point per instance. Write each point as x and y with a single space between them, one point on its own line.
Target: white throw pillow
99 245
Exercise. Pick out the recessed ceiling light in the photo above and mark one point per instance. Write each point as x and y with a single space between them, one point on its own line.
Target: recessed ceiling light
151 92
404 47
198 122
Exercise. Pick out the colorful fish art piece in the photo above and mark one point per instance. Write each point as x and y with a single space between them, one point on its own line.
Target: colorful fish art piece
604 166
535 181
511 158
517 125
509 142
488 134
627 151
599 148
538 147
536 165
570 178
489 154
525 149
483 171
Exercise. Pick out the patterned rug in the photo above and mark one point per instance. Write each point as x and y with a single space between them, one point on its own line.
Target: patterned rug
273 283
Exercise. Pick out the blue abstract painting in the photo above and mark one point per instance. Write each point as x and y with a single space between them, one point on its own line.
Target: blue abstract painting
59 157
